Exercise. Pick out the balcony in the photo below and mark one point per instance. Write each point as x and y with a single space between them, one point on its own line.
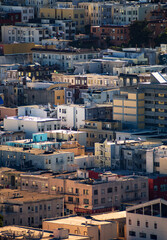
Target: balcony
89 127
71 194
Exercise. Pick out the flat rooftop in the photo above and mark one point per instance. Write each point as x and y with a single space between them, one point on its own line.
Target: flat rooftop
20 233
65 51
31 118
64 131
76 221
10 196
110 216
33 151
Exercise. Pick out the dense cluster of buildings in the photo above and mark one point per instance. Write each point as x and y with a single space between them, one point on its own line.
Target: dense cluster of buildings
83 124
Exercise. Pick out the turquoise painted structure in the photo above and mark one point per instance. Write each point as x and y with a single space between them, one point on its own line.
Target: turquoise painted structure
39 141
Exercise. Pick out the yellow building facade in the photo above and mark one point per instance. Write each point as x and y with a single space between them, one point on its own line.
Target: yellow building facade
93 12
16 48
59 97
100 130
75 14
128 107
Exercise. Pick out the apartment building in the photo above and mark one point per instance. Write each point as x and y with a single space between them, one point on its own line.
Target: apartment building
93 12
71 116
25 34
157 27
98 96
18 157
5 111
30 124
131 56
115 35
87 196
127 13
54 95
35 71
98 130
147 220
157 186
39 141
59 29
16 49
11 136
58 43
74 115
138 70
42 111
128 107
27 13
67 135
132 155
96 230
148 102
22 208
155 101
9 178
38 4
9 17
106 155
31 232
77 15
64 59
90 80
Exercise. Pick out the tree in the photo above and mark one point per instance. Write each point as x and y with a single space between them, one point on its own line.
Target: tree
139 34
162 38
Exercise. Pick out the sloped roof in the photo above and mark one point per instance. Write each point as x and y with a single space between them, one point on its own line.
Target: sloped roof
157 77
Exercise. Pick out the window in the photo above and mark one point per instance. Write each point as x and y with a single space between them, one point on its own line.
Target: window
130 222
155 225
95 201
153 236
138 223
103 200
70 199
147 224
96 192
102 191
109 190
58 97
142 235
49 207
86 201
77 190
132 233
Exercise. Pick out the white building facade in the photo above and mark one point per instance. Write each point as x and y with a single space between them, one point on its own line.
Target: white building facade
64 59
147 221
71 116
30 125
25 34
